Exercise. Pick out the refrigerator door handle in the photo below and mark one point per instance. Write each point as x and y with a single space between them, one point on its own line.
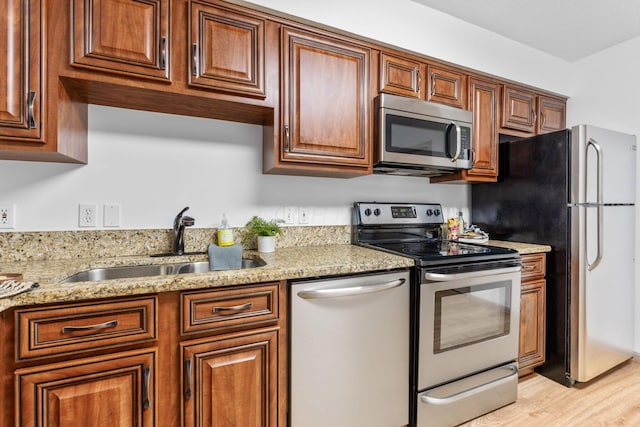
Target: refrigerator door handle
593 143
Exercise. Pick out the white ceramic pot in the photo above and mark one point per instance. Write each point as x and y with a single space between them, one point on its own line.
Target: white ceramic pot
266 243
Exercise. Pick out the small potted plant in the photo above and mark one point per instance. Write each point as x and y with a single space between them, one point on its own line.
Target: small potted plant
265 231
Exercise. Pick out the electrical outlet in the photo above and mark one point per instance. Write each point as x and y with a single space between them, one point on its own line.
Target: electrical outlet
303 215
7 216
87 215
290 215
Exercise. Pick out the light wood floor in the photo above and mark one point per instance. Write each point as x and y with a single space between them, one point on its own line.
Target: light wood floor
612 399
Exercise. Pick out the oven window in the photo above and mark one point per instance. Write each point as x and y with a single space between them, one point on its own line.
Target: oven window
413 136
469 315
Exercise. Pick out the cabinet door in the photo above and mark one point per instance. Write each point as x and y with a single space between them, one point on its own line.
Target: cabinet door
518 109
551 113
532 324
122 36
325 100
21 88
231 381
227 50
447 87
484 103
89 393
400 76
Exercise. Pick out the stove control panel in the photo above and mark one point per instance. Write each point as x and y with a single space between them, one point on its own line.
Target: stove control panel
397 213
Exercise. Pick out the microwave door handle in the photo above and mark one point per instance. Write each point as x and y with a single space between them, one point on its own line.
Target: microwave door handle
458 140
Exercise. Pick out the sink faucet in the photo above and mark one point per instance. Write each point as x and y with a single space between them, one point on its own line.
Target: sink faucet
179 223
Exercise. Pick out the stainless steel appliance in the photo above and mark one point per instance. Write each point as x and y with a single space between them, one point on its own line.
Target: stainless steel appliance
416 137
465 310
349 351
574 190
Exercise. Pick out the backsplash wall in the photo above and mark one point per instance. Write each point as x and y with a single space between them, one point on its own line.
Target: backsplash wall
154 164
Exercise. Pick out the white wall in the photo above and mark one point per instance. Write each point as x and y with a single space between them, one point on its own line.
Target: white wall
155 164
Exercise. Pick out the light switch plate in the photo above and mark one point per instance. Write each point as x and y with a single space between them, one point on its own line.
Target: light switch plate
111 215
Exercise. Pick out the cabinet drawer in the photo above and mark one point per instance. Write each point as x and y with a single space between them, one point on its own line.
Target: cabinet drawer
71 328
533 266
213 310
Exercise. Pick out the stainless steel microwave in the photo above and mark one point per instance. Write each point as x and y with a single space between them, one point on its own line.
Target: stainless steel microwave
415 137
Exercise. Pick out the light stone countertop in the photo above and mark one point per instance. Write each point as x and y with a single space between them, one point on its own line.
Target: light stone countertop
283 264
522 248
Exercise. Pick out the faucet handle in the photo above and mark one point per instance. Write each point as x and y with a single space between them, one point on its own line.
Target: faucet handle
176 221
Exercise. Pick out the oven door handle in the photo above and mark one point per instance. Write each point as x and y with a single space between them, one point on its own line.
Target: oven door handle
513 370
440 277
350 290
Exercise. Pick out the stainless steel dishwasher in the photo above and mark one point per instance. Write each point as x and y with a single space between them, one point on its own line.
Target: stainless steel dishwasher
349 351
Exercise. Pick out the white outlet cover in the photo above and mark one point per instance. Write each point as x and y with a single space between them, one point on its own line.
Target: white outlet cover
87 214
290 215
7 216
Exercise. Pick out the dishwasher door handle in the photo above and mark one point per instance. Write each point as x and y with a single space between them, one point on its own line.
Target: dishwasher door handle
443 277
350 290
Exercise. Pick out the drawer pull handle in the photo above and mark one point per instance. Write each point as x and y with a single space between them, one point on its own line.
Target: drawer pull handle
145 398
105 325
234 308
528 267
187 383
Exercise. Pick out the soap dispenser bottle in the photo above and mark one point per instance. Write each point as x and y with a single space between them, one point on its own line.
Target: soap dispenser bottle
225 233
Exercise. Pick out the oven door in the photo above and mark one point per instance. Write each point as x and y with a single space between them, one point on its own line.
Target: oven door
469 322
419 140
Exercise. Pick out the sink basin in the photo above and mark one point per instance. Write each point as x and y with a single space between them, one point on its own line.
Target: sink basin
126 272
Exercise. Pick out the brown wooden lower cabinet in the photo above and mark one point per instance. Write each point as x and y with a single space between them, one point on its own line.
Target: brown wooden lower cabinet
231 381
532 313
118 391
231 374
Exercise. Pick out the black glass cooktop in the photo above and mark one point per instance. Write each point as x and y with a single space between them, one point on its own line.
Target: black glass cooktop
434 251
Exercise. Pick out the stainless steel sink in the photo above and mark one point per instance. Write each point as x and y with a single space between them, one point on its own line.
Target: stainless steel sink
126 272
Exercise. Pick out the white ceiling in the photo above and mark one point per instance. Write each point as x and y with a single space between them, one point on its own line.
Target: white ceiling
568 29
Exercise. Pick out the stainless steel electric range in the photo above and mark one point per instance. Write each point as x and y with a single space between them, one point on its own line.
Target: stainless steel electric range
464 313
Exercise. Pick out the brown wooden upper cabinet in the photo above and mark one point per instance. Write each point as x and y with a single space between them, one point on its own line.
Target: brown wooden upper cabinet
227 50
325 104
400 76
21 93
122 36
484 96
530 113
552 114
483 99
447 86
404 77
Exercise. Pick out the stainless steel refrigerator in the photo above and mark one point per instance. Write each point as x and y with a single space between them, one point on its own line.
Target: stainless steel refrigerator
574 190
